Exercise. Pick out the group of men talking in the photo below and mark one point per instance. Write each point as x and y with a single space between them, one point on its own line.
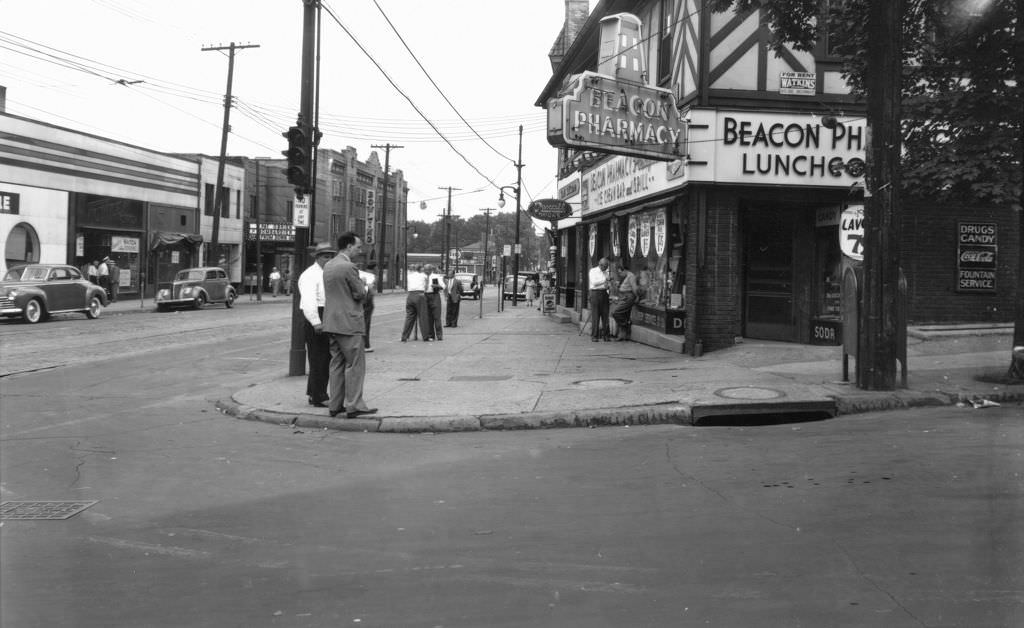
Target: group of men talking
425 287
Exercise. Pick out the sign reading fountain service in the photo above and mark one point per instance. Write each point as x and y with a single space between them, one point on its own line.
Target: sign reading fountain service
976 262
765 148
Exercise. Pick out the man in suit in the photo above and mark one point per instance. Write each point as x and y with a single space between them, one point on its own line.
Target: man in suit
453 294
344 321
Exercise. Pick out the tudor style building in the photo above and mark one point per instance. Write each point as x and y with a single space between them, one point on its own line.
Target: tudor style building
729 178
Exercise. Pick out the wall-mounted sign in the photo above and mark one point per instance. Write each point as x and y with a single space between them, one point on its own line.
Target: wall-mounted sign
631 237
614 228
120 244
369 235
549 209
799 83
851 232
10 203
660 233
976 261
620 181
271 232
618 117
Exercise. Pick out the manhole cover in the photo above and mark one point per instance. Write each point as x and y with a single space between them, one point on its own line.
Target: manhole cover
43 510
601 383
749 392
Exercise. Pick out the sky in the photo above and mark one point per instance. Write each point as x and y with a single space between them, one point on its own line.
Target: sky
135 71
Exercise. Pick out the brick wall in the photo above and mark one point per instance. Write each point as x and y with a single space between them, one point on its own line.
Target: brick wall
715 317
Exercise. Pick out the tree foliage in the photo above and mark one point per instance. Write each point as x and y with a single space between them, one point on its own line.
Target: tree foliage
961 105
429 236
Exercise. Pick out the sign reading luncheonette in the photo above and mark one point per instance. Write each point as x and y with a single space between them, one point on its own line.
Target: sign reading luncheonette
617 117
549 209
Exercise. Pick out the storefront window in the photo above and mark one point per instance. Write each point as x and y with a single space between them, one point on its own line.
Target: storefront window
655 258
827 267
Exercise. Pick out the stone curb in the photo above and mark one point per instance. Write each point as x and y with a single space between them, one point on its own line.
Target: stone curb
673 414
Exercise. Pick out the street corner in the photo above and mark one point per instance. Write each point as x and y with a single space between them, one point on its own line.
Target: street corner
623 416
297 419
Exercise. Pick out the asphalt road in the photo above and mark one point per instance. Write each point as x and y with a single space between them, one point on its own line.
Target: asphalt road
896 519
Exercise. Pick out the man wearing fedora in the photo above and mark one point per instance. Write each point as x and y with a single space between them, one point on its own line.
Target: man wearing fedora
318 343
344 321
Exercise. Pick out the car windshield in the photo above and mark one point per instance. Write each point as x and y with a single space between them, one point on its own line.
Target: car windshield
190 275
26 273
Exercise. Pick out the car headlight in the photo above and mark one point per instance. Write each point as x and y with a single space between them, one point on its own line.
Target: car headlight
187 291
164 294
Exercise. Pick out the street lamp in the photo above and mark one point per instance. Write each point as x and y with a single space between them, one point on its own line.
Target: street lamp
516 189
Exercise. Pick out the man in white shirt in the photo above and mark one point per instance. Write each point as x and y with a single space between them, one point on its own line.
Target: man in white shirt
103 272
598 280
435 286
369 280
318 344
415 302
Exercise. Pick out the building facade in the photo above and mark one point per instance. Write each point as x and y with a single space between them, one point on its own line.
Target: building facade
741 218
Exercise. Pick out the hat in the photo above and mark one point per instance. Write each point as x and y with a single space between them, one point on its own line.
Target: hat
324 247
106 259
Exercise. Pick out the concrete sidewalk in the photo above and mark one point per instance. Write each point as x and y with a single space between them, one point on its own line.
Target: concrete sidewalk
519 369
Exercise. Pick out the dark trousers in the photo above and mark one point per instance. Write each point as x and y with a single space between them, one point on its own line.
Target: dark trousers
318 354
599 314
367 315
434 328
622 313
451 316
415 312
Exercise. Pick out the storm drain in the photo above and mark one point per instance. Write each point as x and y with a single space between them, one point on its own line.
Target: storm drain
48 510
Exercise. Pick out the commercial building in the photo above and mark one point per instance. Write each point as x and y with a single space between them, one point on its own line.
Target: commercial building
729 178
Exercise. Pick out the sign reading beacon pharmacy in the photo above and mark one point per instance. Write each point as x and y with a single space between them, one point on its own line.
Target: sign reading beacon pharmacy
617 117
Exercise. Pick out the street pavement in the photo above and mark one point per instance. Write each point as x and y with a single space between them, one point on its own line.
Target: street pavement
520 369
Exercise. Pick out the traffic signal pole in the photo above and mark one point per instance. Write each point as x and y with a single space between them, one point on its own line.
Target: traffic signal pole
300 166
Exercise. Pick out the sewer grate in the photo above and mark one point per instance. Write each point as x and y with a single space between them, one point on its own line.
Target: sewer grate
48 510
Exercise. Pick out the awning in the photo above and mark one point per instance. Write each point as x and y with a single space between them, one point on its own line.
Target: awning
168 238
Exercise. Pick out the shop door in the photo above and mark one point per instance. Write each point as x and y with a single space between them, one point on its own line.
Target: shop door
768 275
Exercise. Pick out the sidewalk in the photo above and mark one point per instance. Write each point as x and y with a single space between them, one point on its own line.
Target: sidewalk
518 369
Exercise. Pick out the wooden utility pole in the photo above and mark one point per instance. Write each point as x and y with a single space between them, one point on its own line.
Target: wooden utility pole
219 192
383 220
877 349
447 225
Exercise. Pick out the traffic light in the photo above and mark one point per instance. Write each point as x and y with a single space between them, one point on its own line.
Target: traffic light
298 157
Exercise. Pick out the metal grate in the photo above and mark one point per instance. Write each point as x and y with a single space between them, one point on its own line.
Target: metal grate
43 509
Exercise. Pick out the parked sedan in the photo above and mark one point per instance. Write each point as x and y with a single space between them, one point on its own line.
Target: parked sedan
195 287
470 285
35 291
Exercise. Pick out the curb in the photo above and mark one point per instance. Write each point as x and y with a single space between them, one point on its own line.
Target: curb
661 414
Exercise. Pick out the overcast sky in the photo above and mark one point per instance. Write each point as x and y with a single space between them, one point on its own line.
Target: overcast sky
62 60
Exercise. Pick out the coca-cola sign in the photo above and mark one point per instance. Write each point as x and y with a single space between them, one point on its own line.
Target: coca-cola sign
977 256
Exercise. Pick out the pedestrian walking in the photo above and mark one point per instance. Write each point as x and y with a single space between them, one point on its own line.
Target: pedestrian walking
92 271
531 291
103 274
435 286
598 281
343 320
370 282
312 299
275 281
115 280
415 302
627 291
453 297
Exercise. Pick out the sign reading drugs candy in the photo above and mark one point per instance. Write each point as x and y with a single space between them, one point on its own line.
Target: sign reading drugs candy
617 117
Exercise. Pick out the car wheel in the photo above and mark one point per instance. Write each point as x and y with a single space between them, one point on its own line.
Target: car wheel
229 301
94 309
199 301
34 311
160 307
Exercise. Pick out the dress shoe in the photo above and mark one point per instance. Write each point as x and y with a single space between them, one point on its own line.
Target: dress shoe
335 413
351 414
370 349
317 404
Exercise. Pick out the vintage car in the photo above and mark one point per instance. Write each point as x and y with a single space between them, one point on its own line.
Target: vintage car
520 286
35 291
195 287
470 285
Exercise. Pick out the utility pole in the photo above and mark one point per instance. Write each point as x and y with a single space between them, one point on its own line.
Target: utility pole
219 191
447 224
483 274
877 348
519 194
384 218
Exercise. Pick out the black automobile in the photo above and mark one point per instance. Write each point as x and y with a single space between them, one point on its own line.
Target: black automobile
195 287
520 285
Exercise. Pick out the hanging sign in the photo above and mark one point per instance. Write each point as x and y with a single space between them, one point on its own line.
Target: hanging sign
645 234
549 209
592 242
851 232
631 236
615 236
659 233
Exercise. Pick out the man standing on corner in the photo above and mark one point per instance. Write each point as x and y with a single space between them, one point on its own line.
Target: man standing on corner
435 286
598 280
415 302
343 320
318 344
453 294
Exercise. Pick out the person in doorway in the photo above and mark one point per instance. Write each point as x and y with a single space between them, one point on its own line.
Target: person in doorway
415 302
453 297
626 294
531 291
435 286
598 281
103 273
318 344
343 320
92 272
369 281
275 281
